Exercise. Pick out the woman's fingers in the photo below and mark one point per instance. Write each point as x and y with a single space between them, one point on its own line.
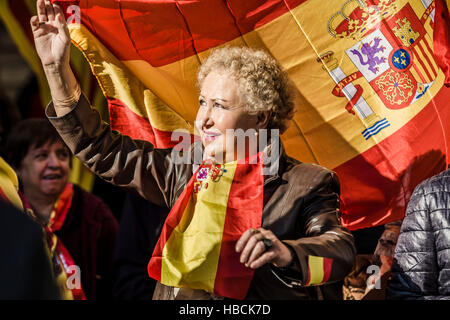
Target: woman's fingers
41 11
34 21
258 250
50 11
60 19
249 245
240 244
37 27
254 252
266 257
59 14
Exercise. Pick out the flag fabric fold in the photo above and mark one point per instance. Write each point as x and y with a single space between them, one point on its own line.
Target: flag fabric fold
441 38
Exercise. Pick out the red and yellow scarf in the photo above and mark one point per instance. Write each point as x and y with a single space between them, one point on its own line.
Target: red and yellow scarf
61 259
196 248
60 256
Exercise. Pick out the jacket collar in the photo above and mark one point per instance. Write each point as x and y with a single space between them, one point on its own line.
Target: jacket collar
275 162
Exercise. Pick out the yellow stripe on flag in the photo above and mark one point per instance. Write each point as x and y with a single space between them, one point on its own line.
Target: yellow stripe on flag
315 265
116 81
423 66
191 254
9 184
80 175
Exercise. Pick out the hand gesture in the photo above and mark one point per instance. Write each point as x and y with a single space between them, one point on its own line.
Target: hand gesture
255 253
51 35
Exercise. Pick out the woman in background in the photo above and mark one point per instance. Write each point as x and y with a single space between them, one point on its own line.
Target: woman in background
81 230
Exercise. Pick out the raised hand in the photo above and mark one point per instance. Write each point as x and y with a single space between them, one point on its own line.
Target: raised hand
51 35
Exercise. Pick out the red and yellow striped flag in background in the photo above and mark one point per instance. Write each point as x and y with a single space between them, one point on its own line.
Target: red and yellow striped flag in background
369 76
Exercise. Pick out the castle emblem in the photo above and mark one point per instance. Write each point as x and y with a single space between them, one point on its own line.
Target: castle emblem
405 33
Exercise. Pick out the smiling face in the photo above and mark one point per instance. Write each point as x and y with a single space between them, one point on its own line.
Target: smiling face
45 170
221 108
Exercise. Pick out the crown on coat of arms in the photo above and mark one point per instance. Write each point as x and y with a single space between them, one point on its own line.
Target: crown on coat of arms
328 60
356 17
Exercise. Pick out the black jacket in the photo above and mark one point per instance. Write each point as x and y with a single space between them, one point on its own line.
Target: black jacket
89 233
139 231
25 268
421 268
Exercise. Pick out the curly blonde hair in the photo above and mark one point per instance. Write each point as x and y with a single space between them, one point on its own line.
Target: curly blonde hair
263 85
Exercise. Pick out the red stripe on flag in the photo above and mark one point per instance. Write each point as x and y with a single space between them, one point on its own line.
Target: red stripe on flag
430 52
162 32
419 73
104 20
233 278
327 263
422 63
252 14
172 221
309 277
4 197
427 57
441 38
376 196
194 14
123 119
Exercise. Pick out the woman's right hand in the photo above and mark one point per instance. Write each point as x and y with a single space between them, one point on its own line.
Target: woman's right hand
51 35
52 40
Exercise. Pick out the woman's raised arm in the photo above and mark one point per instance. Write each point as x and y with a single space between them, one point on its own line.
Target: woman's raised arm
52 41
114 157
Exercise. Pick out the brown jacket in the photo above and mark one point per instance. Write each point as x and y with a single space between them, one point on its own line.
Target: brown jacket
301 202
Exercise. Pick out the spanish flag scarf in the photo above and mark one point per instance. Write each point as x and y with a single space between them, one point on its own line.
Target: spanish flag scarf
60 257
62 261
196 248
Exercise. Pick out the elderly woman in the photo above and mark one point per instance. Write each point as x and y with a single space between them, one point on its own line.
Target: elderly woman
80 228
301 251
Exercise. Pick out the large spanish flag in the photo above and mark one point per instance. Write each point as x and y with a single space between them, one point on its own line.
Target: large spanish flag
369 76
196 248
